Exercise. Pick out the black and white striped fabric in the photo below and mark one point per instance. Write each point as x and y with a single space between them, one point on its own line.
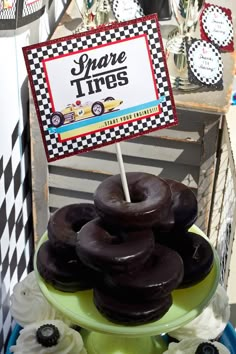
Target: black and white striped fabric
16 239
55 149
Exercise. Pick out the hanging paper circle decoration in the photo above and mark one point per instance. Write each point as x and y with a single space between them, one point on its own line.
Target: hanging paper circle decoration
205 62
217 26
125 10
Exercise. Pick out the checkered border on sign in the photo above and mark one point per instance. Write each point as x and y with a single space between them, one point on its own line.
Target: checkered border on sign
216 41
34 55
194 69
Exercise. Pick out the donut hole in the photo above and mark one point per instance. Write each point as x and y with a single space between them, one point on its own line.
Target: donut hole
77 225
113 235
79 215
136 199
137 196
113 239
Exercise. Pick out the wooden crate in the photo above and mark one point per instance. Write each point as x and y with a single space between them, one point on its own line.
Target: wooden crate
186 153
222 226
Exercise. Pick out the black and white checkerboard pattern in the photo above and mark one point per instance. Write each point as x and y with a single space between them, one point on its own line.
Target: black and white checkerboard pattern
31 6
16 239
56 149
8 14
221 42
196 69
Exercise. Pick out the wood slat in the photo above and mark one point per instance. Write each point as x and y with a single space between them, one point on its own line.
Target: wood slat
136 154
160 150
102 166
73 183
189 128
60 197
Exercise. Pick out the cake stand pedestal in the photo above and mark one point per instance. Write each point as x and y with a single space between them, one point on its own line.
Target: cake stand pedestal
104 337
100 343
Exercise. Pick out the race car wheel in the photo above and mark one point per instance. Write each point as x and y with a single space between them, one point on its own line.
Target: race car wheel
109 99
57 119
97 108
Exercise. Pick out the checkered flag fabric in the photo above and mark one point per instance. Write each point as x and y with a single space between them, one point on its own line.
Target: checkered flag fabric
217 38
16 239
56 149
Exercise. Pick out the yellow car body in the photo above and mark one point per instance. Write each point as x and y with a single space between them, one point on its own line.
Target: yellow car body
73 112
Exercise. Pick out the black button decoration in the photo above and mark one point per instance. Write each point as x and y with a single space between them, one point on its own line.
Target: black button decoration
206 348
47 335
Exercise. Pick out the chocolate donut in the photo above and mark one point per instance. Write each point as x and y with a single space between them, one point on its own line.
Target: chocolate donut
184 205
130 313
104 249
195 251
67 276
64 224
161 274
150 200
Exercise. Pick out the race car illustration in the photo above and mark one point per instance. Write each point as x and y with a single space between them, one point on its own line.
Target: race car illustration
77 111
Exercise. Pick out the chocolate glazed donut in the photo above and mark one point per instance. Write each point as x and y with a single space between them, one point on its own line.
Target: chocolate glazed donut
150 200
64 224
184 206
67 276
195 251
131 313
104 250
161 274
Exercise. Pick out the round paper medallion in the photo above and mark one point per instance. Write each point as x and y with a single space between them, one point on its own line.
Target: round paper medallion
217 26
125 10
205 62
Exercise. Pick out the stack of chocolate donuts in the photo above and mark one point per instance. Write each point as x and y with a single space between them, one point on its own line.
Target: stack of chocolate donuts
57 261
140 250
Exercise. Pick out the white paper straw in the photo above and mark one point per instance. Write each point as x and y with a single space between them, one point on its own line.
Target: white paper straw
122 172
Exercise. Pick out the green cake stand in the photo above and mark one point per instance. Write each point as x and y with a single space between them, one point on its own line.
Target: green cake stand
104 337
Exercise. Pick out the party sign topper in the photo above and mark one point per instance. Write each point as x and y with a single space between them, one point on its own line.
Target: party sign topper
100 87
